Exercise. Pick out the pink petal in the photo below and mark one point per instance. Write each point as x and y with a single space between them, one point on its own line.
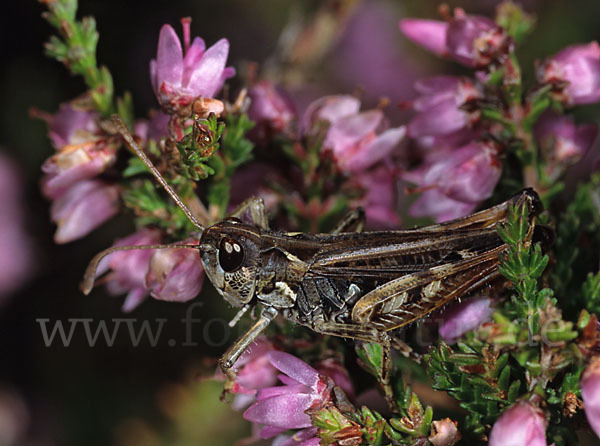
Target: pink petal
465 316
169 57
294 368
376 150
441 119
83 208
285 411
329 108
205 79
430 34
134 298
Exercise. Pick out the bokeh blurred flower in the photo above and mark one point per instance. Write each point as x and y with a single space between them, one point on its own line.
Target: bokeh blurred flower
430 34
461 317
590 393
155 128
456 181
575 71
379 198
175 275
270 108
561 141
284 407
128 269
522 424
439 106
472 40
15 417
82 208
357 140
179 79
15 245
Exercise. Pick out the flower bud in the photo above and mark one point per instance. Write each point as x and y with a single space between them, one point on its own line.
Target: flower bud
590 393
522 424
175 274
444 433
575 71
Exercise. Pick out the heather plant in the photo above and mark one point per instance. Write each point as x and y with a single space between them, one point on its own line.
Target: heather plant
517 364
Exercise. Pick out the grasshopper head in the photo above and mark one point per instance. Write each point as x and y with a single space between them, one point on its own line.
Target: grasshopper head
230 256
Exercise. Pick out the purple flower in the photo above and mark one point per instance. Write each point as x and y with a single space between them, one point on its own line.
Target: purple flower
284 407
270 107
461 317
155 128
82 208
379 199
562 142
444 433
179 79
129 268
475 41
357 140
430 34
590 393
438 107
15 245
71 125
175 275
338 373
456 181
576 72
472 40
522 424
76 162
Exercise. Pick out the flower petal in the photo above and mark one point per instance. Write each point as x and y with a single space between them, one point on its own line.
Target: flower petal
169 57
430 34
294 368
284 411
205 80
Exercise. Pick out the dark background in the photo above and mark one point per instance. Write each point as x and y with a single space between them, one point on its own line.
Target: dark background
152 395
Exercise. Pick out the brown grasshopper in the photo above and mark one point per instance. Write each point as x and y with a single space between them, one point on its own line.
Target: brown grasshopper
360 285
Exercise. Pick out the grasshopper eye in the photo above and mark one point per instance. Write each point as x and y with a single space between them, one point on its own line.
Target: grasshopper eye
231 254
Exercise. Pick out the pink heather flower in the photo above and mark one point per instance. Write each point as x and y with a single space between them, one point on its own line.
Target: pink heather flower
179 79
175 275
430 34
357 140
253 372
155 128
129 268
522 424
72 125
284 407
15 245
475 41
379 199
82 208
270 107
561 140
76 162
438 107
461 317
453 185
578 66
472 40
590 393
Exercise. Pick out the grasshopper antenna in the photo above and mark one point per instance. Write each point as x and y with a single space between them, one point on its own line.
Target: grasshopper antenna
122 129
90 273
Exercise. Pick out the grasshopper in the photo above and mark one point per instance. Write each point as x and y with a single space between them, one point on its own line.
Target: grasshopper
348 283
